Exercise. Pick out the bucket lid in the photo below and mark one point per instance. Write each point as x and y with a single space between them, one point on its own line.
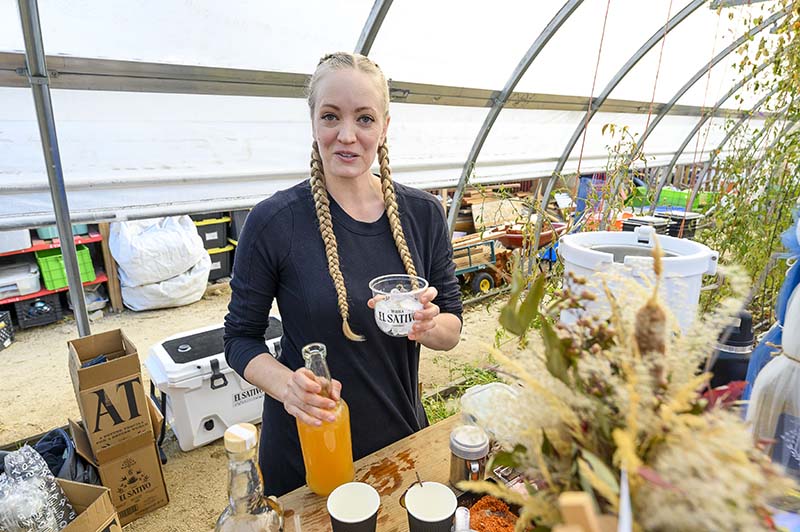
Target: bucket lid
469 442
687 257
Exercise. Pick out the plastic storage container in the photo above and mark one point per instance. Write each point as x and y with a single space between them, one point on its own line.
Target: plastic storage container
672 197
19 279
238 218
6 330
629 255
206 216
660 225
214 232
51 264
38 311
204 395
14 240
51 231
220 262
688 219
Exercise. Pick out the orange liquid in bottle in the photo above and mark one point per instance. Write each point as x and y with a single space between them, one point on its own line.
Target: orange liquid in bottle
328 452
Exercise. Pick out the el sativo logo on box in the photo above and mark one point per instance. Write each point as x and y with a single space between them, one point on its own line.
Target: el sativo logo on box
246 396
133 481
106 408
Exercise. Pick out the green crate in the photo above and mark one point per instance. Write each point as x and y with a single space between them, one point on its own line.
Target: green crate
51 264
672 198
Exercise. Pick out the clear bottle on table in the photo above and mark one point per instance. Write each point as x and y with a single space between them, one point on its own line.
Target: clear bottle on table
249 510
327 449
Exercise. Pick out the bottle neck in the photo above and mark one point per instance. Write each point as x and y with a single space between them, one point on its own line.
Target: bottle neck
244 480
316 363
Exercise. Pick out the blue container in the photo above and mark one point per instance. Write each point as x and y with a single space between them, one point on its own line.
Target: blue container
49 232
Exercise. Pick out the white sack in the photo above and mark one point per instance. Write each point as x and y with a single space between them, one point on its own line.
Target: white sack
182 289
150 251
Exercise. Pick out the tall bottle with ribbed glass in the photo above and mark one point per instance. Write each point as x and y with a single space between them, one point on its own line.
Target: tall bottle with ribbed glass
249 510
327 449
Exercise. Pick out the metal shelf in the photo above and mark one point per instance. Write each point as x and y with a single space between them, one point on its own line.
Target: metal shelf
101 278
39 244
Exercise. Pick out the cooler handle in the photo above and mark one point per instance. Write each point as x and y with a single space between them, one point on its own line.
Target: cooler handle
216 375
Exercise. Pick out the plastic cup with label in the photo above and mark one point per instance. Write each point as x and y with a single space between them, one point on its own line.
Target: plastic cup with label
430 507
353 507
396 300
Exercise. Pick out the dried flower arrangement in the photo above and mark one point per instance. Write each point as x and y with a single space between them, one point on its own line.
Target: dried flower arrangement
606 394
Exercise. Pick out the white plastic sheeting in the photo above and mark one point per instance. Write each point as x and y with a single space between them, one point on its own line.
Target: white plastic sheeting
128 155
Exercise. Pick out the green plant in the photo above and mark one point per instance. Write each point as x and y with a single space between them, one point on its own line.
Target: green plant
444 404
758 182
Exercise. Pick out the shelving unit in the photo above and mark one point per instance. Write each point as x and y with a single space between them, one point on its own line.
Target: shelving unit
38 244
101 278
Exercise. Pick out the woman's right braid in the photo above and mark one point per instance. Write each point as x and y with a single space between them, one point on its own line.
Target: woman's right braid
392 211
322 206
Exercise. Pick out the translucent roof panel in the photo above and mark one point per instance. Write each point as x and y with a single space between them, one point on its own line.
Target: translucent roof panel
465 44
567 64
530 142
688 48
117 136
10 28
250 34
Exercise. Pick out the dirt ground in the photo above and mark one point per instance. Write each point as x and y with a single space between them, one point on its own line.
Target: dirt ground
37 395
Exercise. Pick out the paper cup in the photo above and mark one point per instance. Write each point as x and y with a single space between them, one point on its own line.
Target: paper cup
430 507
353 507
397 299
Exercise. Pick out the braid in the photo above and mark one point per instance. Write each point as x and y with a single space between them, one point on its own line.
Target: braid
322 206
392 212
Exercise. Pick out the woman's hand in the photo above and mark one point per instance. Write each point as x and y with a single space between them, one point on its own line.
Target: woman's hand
302 398
424 318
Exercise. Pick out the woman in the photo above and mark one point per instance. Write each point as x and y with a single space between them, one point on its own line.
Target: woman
314 248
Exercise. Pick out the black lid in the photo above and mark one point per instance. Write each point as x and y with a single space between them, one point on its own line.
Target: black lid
675 215
209 343
659 224
741 333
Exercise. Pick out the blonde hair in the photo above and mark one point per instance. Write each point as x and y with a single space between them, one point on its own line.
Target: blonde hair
339 61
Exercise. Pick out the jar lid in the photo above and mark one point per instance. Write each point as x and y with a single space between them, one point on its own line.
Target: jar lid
469 442
240 438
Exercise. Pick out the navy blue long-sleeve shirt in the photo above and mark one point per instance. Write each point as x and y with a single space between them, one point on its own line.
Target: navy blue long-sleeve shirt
281 256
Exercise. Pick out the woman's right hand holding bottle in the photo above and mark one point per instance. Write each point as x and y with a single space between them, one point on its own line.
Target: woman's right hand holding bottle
303 398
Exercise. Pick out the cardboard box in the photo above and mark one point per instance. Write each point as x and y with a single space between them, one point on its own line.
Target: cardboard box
93 504
131 470
110 395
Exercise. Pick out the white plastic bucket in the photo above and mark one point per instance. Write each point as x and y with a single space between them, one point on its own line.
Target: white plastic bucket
629 254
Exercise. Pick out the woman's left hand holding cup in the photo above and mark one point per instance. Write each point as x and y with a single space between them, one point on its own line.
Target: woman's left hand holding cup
424 319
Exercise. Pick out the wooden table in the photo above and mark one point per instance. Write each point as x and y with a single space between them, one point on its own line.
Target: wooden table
390 471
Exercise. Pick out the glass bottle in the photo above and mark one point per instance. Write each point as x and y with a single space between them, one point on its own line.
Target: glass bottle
248 509
327 449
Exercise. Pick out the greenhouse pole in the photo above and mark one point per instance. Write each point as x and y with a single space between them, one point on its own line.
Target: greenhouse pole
372 26
499 102
37 76
603 96
668 170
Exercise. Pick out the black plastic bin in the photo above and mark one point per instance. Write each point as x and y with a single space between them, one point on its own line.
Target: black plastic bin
237 223
221 260
207 216
214 232
6 329
39 311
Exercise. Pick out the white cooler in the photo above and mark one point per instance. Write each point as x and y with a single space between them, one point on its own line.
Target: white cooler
203 395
